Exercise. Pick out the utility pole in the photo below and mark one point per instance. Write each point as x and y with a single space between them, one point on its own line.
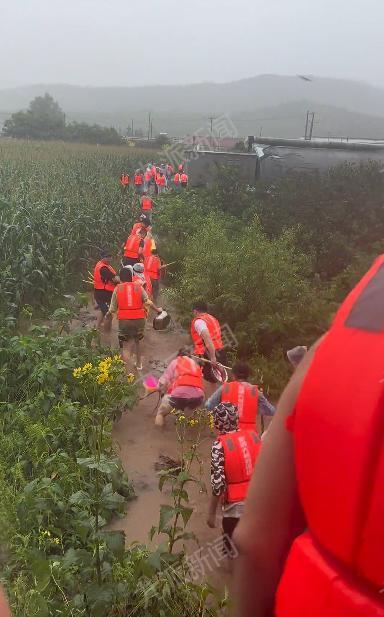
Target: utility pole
211 119
151 129
132 133
149 124
309 123
312 123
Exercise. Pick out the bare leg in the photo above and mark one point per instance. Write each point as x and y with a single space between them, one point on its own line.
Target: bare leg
100 319
138 355
108 323
164 410
126 354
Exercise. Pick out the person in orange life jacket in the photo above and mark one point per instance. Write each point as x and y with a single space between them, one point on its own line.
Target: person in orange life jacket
160 182
147 179
176 180
183 382
105 280
124 181
152 265
143 224
250 402
146 204
206 336
183 180
311 539
133 248
233 458
143 278
147 247
139 181
130 302
181 168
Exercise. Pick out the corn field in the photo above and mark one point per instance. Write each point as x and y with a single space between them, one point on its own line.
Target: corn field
59 204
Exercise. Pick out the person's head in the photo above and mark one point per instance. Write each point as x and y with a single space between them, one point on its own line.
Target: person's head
106 256
184 351
138 268
296 354
144 220
241 371
225 418
199 307
125 274
145 192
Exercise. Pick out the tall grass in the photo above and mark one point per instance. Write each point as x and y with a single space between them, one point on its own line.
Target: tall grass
59 204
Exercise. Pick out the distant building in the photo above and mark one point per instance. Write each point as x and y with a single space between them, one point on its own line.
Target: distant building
270 159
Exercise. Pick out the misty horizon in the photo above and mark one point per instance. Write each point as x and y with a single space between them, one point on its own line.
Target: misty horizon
117 44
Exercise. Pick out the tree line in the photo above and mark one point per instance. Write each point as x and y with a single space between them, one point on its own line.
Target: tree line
45 120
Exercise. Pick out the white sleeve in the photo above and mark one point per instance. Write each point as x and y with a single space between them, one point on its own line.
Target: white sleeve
200 326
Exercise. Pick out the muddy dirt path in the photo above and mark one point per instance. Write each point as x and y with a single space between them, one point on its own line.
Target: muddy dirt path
141 445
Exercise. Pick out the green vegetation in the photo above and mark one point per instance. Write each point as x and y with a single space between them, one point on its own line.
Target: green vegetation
274 262
45 120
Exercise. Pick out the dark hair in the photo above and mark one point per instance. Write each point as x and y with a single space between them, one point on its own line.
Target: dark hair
200 305
154 251
184 351
241 370
105 253
125 275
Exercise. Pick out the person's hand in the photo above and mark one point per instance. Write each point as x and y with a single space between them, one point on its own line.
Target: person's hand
159 310
211 521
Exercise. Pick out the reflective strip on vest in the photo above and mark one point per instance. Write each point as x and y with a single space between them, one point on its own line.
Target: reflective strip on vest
132 247
339 459
188 373
130 301
240 452
214 332
152 265
98 282
246 398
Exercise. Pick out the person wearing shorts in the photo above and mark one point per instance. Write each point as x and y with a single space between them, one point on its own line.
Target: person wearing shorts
104 283
183 382
130 302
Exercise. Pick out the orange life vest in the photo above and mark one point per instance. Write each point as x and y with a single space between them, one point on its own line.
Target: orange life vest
240 452
214 332
176 179
98 282
246 398
146 203
160 180
152 266
132 246
130 301
136 227
147 248
336 568
124 179
138 179
184 178
153 171
148 176
188 373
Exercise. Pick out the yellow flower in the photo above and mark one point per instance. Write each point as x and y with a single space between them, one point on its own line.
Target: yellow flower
130 378
118 359
56 541
102 378
181 418
76 372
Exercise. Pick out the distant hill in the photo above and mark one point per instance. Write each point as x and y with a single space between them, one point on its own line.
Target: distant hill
275 103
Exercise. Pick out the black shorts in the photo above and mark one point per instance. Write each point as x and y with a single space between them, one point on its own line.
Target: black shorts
130 261
183 403
103 299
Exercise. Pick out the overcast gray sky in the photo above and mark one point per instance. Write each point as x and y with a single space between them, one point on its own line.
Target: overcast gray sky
126 42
